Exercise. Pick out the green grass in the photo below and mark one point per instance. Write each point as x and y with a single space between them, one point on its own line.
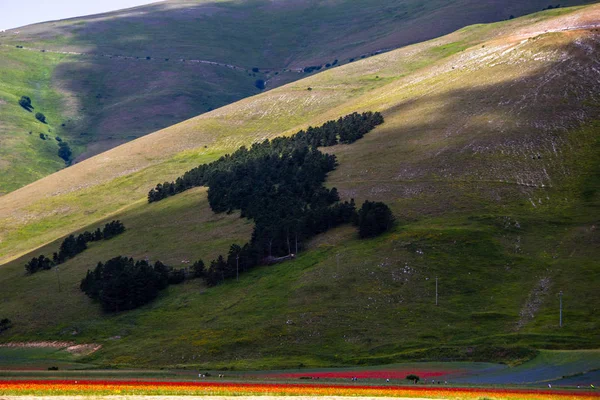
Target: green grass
548 366
335 92
455 162
38 359
312 312
104 99
24 156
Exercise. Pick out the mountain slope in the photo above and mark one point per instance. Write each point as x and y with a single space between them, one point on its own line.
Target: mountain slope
107 79
488 157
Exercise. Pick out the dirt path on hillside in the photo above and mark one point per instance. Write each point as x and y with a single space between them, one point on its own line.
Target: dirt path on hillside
122 57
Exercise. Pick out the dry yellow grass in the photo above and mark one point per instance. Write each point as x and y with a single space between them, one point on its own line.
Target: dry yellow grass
203 398
483 157
417 88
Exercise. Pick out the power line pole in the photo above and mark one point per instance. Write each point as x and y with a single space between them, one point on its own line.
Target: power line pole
560 294
436 290
58 277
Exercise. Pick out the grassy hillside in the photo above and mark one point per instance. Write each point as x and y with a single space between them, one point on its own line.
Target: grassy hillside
24 156
488 157
110 78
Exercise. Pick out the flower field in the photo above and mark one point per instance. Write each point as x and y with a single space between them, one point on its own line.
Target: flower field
162 388
369 374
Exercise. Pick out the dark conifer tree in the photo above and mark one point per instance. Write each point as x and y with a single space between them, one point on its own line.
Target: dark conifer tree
198 269
373 219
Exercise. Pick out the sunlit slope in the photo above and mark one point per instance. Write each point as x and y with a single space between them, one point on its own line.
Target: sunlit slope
430 73
110 78
488 156
24 155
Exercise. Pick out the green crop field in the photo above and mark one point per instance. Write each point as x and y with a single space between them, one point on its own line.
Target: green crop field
488 157
107 79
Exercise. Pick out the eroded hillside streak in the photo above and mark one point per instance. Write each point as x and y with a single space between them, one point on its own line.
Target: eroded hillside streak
141 59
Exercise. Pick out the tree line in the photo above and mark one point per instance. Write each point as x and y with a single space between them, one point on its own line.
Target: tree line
122 283
345 130
277 183
372 219
73 245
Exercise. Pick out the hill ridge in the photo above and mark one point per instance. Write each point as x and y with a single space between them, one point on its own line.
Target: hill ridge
475 123
93 113
120 159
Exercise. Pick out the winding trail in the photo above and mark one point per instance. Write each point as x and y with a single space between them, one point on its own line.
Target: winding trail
122 57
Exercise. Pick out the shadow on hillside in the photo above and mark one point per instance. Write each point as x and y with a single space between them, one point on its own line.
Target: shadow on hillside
497 142
138 77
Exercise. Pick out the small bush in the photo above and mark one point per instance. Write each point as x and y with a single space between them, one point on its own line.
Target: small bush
312 68
25 102
260 84
42 136
40 117
64 151
38 263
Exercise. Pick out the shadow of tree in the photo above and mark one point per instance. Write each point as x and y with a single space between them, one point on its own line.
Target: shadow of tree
476 143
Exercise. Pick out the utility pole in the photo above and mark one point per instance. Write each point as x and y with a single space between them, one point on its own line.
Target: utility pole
436 290
58 277
560 294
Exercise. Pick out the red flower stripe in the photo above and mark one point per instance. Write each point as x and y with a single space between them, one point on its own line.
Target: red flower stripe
137 387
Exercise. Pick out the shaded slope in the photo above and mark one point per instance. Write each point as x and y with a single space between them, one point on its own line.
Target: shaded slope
470 138
121 75
29 215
